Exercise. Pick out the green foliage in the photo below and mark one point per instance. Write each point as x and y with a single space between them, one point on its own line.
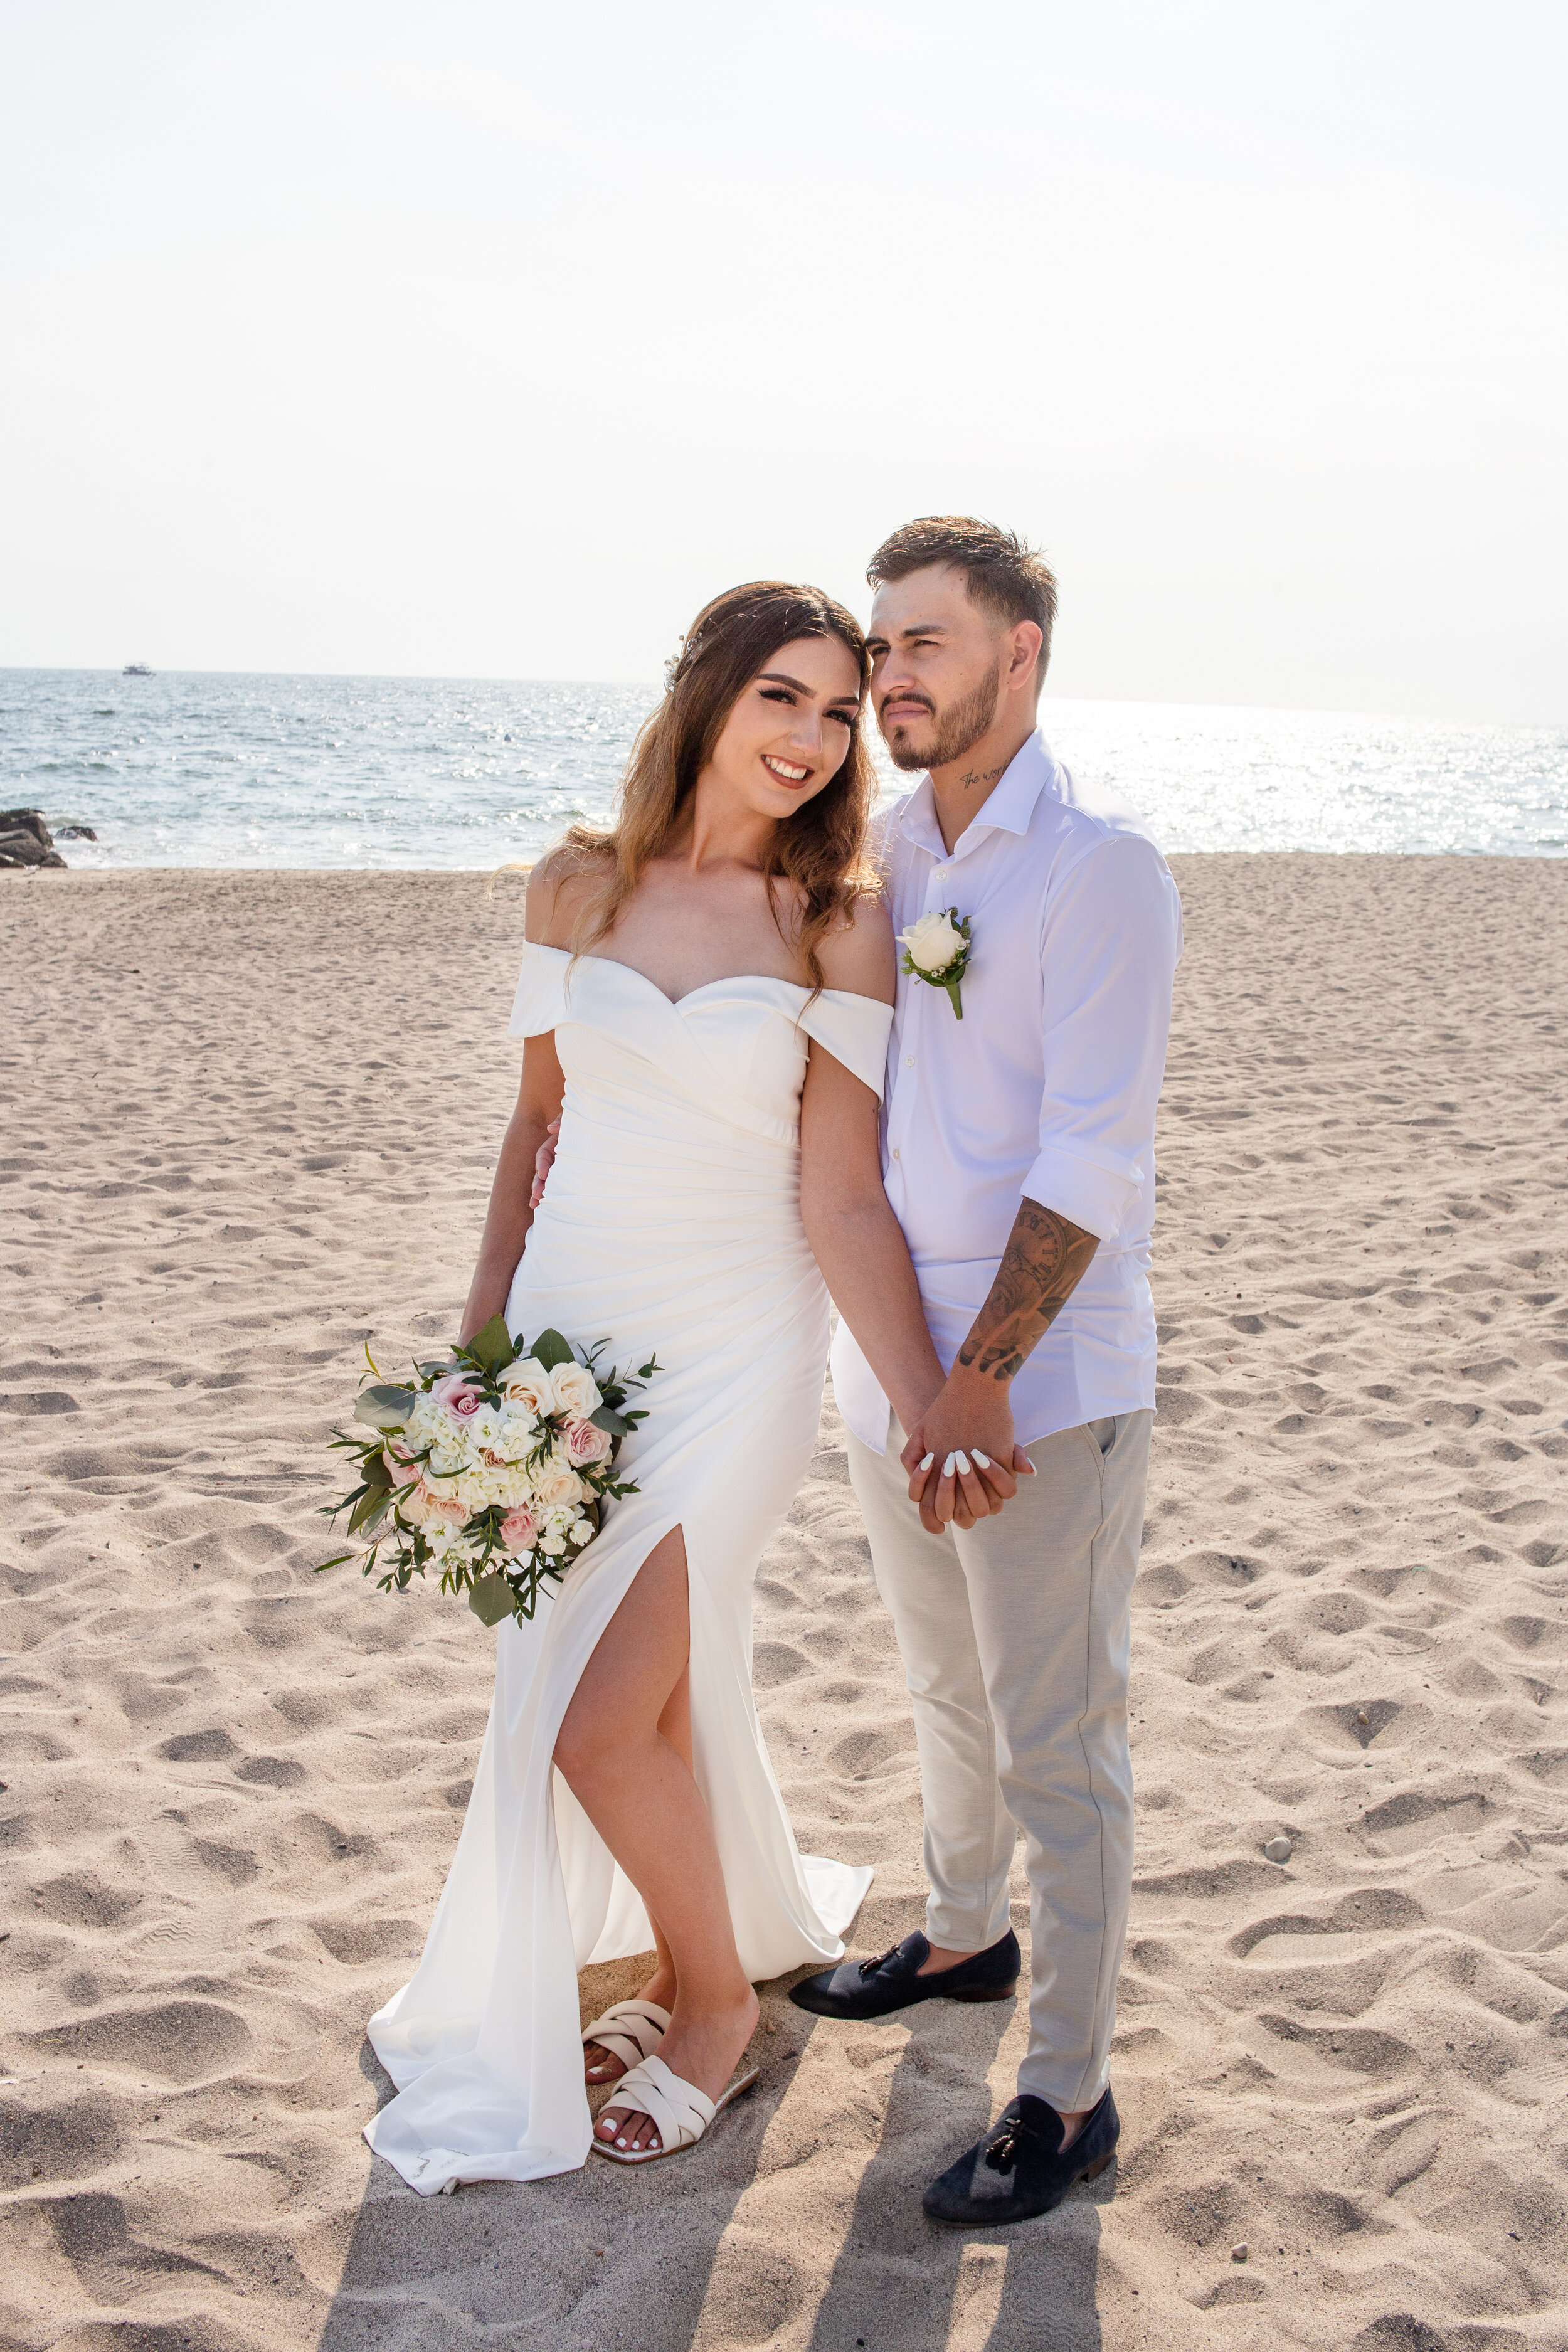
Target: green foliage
491 1600
549 1350
384 1406
491 1349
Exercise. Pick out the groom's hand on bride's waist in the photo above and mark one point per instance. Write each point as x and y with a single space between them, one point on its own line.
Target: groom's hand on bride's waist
543 1161
961 1461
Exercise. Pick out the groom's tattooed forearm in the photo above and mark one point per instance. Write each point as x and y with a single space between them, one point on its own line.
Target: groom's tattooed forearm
1041 1266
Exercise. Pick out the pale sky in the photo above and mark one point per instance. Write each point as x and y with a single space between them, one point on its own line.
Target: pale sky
491 341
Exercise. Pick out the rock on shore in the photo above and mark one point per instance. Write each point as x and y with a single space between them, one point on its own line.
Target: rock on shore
25 840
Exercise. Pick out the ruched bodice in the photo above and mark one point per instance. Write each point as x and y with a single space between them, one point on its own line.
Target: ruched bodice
671 1225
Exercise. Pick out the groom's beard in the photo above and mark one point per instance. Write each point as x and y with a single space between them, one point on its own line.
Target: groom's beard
955 730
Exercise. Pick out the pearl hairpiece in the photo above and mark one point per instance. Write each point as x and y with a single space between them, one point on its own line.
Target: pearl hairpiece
675 667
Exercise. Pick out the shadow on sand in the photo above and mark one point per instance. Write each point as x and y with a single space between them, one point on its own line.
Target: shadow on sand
903 2282
601 2257
590 2258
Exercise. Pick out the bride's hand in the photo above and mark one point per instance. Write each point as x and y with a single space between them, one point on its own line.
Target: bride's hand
961 1461
543 1161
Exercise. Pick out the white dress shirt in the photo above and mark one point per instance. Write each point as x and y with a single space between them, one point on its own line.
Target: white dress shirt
1047 1086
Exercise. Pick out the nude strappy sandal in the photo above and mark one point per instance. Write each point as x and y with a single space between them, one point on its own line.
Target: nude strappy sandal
680 2110
631 2031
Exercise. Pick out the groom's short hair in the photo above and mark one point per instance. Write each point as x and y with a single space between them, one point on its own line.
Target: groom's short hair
999 570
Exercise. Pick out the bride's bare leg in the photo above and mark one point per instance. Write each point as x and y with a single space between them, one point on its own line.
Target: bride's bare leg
601 2067
638 1791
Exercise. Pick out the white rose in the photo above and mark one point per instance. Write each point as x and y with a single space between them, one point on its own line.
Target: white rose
529 1384
934 943
518 1426
576 1391
553 1484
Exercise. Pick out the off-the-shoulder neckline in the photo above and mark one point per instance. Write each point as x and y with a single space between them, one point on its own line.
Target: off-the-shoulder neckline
771 979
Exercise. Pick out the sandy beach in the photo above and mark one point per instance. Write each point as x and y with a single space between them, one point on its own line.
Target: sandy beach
249 1123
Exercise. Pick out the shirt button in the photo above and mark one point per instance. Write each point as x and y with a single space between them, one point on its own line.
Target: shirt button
895 1150
909 1061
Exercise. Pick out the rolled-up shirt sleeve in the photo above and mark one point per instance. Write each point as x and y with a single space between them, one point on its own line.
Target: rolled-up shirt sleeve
1109 946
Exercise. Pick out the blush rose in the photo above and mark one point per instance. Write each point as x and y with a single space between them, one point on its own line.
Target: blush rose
586 1444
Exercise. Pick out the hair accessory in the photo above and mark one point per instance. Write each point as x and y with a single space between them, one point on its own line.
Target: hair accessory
680 661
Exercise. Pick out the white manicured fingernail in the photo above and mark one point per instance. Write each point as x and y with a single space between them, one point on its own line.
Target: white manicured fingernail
1028 1469
929 1460
981 1461
963 1460
947 1467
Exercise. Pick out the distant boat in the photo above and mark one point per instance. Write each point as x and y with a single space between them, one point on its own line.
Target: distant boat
137 669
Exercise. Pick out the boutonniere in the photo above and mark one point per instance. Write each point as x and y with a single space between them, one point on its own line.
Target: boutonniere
936 949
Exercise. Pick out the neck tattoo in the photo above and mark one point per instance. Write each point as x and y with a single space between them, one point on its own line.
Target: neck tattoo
981 776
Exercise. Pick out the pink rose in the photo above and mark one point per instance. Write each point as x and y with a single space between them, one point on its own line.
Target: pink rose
402 1471
586 1443
461 1402
520 1530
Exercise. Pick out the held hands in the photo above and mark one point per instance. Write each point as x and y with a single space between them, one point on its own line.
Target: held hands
961 1461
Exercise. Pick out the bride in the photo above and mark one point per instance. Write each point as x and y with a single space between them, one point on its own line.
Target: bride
705 1000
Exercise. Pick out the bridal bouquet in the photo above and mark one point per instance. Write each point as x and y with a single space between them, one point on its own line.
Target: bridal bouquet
492 1467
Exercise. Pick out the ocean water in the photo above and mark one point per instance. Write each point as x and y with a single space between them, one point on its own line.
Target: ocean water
202 768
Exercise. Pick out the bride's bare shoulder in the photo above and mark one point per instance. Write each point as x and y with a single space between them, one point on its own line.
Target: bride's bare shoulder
561 887
857 951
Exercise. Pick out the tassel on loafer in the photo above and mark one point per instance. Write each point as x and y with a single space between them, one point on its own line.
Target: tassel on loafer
892 1980
1020 2168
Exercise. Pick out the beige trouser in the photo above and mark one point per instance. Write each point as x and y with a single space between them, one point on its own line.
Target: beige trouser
1015 1638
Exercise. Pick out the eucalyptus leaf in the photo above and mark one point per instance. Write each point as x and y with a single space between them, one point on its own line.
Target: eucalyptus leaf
607 1418
368 1511
376 1472
384 1407
491 1346
491 1600
549 1350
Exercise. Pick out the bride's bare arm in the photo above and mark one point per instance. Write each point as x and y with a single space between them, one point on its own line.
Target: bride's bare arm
538 1098
854 1235
508 1216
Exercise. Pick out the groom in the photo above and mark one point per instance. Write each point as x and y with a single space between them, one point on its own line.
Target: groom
1018 1157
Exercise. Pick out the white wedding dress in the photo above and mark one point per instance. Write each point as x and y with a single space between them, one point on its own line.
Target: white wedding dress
671 1226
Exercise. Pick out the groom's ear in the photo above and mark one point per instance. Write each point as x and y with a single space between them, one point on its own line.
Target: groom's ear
1025 672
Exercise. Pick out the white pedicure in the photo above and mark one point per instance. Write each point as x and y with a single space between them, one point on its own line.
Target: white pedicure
980 1460
963 1460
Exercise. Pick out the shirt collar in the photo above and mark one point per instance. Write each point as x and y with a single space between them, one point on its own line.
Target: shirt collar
1010 807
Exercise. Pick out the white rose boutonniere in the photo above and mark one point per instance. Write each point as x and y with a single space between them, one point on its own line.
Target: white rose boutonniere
937 949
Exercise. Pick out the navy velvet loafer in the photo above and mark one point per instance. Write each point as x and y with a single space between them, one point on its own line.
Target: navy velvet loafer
875 1987
1019 2170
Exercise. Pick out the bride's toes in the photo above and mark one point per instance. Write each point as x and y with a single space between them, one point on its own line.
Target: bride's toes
602 2065
629 2128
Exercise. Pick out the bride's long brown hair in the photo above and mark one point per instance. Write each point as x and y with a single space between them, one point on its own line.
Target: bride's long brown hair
821 847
